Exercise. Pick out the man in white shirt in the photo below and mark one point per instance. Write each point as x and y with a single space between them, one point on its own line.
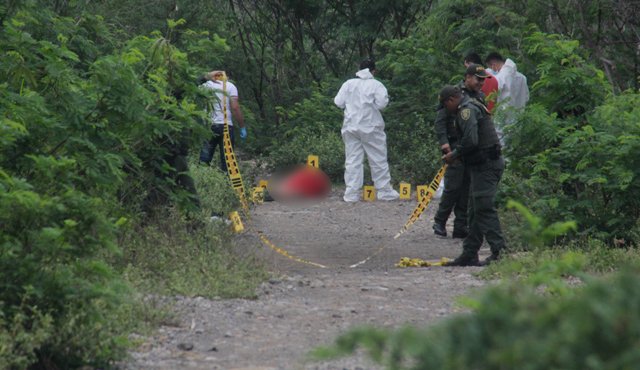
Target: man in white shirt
216 115
362 99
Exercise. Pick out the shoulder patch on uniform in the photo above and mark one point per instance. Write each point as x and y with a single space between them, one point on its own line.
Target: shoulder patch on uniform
465 113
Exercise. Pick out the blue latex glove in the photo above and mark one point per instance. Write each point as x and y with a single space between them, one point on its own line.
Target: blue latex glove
243 133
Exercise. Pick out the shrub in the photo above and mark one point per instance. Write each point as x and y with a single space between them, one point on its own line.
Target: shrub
571 155
590 174
312 127
515 327
85 133
51 275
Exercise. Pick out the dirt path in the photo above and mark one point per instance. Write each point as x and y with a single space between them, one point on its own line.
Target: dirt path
304 306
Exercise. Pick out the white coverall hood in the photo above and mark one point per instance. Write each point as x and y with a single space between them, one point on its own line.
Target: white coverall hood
512 86
362 98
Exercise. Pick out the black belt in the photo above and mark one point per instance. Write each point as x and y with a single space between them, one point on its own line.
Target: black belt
482 155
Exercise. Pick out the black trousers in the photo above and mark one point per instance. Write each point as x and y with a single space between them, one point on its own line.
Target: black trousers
455 196
209 147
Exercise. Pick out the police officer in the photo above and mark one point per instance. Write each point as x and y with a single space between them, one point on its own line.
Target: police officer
456 180
479 149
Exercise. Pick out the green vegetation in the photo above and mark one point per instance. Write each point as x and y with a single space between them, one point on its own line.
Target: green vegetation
98 103
89 205
513 326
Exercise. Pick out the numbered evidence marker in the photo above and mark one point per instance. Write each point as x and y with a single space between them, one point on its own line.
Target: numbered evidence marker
421 191
369 193
405 190
263 184
237 222
313 161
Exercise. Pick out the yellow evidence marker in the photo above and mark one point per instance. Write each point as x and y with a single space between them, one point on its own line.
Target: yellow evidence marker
237 222
313 161
405 190
421 191
369 193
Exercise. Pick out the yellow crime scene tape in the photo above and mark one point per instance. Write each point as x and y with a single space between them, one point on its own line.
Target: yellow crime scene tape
285 253
236 182
424 202
232 164
422 205
417 262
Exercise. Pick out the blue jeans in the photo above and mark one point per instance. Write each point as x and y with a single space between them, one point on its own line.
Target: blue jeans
209 147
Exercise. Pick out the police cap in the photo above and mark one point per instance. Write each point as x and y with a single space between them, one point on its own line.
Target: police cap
447 92
477 70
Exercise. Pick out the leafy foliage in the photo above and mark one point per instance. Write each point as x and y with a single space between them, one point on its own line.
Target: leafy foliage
95 106
312 127
567 83
536 234
584 172
85 130
515 327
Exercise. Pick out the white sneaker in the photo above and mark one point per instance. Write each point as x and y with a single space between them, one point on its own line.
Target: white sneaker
388 195
351 198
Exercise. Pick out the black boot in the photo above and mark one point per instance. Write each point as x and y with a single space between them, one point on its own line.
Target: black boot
439 229
489 260
463 260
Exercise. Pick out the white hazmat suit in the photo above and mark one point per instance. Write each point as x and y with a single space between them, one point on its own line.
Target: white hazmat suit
513 95
512 86
362 98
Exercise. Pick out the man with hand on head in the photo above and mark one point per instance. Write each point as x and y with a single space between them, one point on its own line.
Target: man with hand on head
512 84
214 83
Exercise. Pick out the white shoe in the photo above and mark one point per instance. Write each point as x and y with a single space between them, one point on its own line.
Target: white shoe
351 199
388 195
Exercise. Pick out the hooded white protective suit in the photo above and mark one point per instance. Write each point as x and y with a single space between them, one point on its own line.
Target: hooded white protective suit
512 86
362 99
513 95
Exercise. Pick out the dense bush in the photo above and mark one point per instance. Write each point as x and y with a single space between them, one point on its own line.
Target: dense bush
54 288
572 155
590 175
86 133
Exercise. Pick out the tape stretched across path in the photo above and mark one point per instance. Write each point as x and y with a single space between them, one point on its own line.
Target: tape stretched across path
417 212
236 182
236 179
286 254
424 202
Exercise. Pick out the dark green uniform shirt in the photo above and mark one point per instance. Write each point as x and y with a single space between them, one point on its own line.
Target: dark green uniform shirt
475 129
446 132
